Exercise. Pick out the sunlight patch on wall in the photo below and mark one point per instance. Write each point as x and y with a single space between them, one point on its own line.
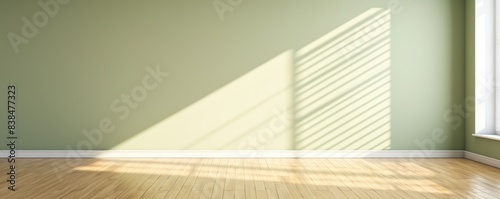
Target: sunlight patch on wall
248 107
333 93
342 87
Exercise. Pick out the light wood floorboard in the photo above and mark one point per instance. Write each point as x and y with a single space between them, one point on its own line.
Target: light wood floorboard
252 178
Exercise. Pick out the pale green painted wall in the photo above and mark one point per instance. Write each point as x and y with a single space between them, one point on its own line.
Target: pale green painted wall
481 146
227 77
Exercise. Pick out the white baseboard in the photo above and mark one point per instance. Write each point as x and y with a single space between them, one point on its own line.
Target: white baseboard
482 159
237 154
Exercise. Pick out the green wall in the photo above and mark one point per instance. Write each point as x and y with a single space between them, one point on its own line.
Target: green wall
486 147
282 74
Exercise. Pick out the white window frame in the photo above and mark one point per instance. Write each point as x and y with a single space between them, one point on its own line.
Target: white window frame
487 69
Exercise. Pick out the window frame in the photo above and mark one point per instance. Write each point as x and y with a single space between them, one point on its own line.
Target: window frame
487 69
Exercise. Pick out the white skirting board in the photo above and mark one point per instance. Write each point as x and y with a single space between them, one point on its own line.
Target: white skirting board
482 159
254 154
236 154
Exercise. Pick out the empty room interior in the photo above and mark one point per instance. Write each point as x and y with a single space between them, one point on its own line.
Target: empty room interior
261 99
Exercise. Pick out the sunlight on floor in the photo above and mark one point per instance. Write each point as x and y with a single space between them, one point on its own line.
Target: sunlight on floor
375 174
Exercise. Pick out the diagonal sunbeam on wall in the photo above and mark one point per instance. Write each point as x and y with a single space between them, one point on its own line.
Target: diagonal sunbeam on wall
341 87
